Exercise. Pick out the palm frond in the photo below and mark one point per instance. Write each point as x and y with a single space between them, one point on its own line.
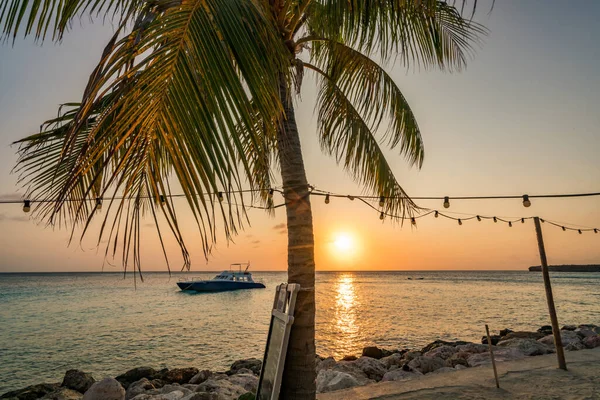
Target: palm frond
344 134
424 32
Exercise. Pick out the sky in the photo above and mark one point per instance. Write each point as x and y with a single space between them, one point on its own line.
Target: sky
522 118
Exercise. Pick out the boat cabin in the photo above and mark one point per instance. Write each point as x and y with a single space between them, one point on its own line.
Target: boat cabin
234 276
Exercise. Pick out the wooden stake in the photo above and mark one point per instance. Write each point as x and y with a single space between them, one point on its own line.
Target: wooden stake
489 340
560 354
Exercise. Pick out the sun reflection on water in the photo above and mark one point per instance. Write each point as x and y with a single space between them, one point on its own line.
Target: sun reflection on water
345 314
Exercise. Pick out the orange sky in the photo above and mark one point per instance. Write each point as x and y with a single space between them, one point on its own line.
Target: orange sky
521 119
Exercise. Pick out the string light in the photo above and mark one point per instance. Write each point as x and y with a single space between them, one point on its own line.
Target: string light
98 204
478 218
271 191
162 199
381 201
579 230
526 201
522 220
495 219
564 229
595 230
413 221
381 216
351 197
509 224
446 202
26 206
437 214
220 196
459 221
327 199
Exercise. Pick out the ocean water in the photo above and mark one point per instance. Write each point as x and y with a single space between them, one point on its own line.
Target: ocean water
100 323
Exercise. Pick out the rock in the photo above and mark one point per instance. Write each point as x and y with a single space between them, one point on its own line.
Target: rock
400 375
247 396
247 381
439 343
106 389
546 330
374 369
252 364
375 352
350 368
500 354
77 380
566 336
597 330
32 392
138 387
523 335
350 358
584 332
330 380
223 388
472 348
495 339
568 328
443 352
200 377
529 347
327 363
395 359
178 375
176 388
505 332
426 365
457 359
574 346
64 394
592 341
174 395
459 367
202 396
134 375
411 355
158 383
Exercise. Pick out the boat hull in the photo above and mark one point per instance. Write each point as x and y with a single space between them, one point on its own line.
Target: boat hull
218 286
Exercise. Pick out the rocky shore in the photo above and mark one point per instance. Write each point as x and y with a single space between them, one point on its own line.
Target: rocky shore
373 365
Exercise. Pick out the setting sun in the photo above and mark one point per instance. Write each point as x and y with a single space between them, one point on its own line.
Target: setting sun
343 242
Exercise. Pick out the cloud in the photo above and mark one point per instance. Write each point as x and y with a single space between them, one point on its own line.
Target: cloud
20 218
280 226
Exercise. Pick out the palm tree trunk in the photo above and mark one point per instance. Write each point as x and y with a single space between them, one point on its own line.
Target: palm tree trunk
299 374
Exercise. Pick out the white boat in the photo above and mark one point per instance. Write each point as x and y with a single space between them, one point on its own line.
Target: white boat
225 281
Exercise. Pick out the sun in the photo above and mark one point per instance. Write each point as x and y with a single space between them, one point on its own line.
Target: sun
343 242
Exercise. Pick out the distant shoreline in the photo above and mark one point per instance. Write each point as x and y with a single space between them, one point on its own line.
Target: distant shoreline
568 268
416 271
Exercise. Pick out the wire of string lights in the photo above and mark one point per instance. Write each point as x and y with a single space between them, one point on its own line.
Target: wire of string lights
367 201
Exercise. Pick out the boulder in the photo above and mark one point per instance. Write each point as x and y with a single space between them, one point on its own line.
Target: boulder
376 352
457 359
500 354
459 367
472 348
411 355
546 330
330 380
374 369
106 389
439 343
200 377
350 368
204 396
495 339
248 381
32 392
426 365
138 387
222 387
566 336
597 330
443 369
134 375
400 375
350 358
176 388
327 363
529 347
443 352
64 393
568 328
174 395
252 364
505 332
395 359
77 380
177 375
523 335
584 332
592 341
574 346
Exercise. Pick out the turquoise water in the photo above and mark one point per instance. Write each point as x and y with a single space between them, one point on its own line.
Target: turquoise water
100 323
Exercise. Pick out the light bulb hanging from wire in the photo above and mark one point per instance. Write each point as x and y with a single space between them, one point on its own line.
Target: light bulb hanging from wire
381 216
351 197
327 199
495 219
381 201
522 220
162 199
437 214
271 191
446 202
579 230
509 224
459 221
26 206
220 196
526 201
478 218
98 204
413 221
563 228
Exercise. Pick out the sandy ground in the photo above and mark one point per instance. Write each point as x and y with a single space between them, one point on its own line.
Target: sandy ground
530 378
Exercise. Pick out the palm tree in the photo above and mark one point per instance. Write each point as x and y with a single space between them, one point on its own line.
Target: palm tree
201 92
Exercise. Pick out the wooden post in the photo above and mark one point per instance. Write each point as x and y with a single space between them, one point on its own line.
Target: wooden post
560 354
489 340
